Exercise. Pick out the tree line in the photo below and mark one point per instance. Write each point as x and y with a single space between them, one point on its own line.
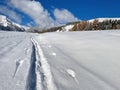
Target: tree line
96 25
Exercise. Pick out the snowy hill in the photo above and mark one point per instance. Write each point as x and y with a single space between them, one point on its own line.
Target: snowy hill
93 24
69 27
65 28
8 25
97 24
103 19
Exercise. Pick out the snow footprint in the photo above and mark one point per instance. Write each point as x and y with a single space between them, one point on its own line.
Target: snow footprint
53 54
18 64
26 50
72 74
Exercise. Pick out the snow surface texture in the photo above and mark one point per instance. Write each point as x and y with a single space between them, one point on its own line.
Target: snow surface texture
60 61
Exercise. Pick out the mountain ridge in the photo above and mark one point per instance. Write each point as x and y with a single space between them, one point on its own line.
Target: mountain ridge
8 25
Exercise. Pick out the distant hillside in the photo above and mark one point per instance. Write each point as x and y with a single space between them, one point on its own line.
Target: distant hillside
53 29
97 24
93 24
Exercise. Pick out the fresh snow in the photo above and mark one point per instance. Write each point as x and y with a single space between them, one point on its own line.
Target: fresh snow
86 60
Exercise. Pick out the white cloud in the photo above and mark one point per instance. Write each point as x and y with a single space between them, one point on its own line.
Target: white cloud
11 14
36 11
40 15
64 16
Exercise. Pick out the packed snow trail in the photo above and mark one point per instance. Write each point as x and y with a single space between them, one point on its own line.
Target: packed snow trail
43 72
60 61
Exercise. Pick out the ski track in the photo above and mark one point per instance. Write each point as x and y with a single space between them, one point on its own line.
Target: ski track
10 47
31 80
14 44
44 80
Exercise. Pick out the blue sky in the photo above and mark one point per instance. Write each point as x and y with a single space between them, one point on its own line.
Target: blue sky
86 9
47 13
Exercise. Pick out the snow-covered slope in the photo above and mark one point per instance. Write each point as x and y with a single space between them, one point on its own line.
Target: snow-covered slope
103 19
3 20
8 25
70 26
60 61
67 28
